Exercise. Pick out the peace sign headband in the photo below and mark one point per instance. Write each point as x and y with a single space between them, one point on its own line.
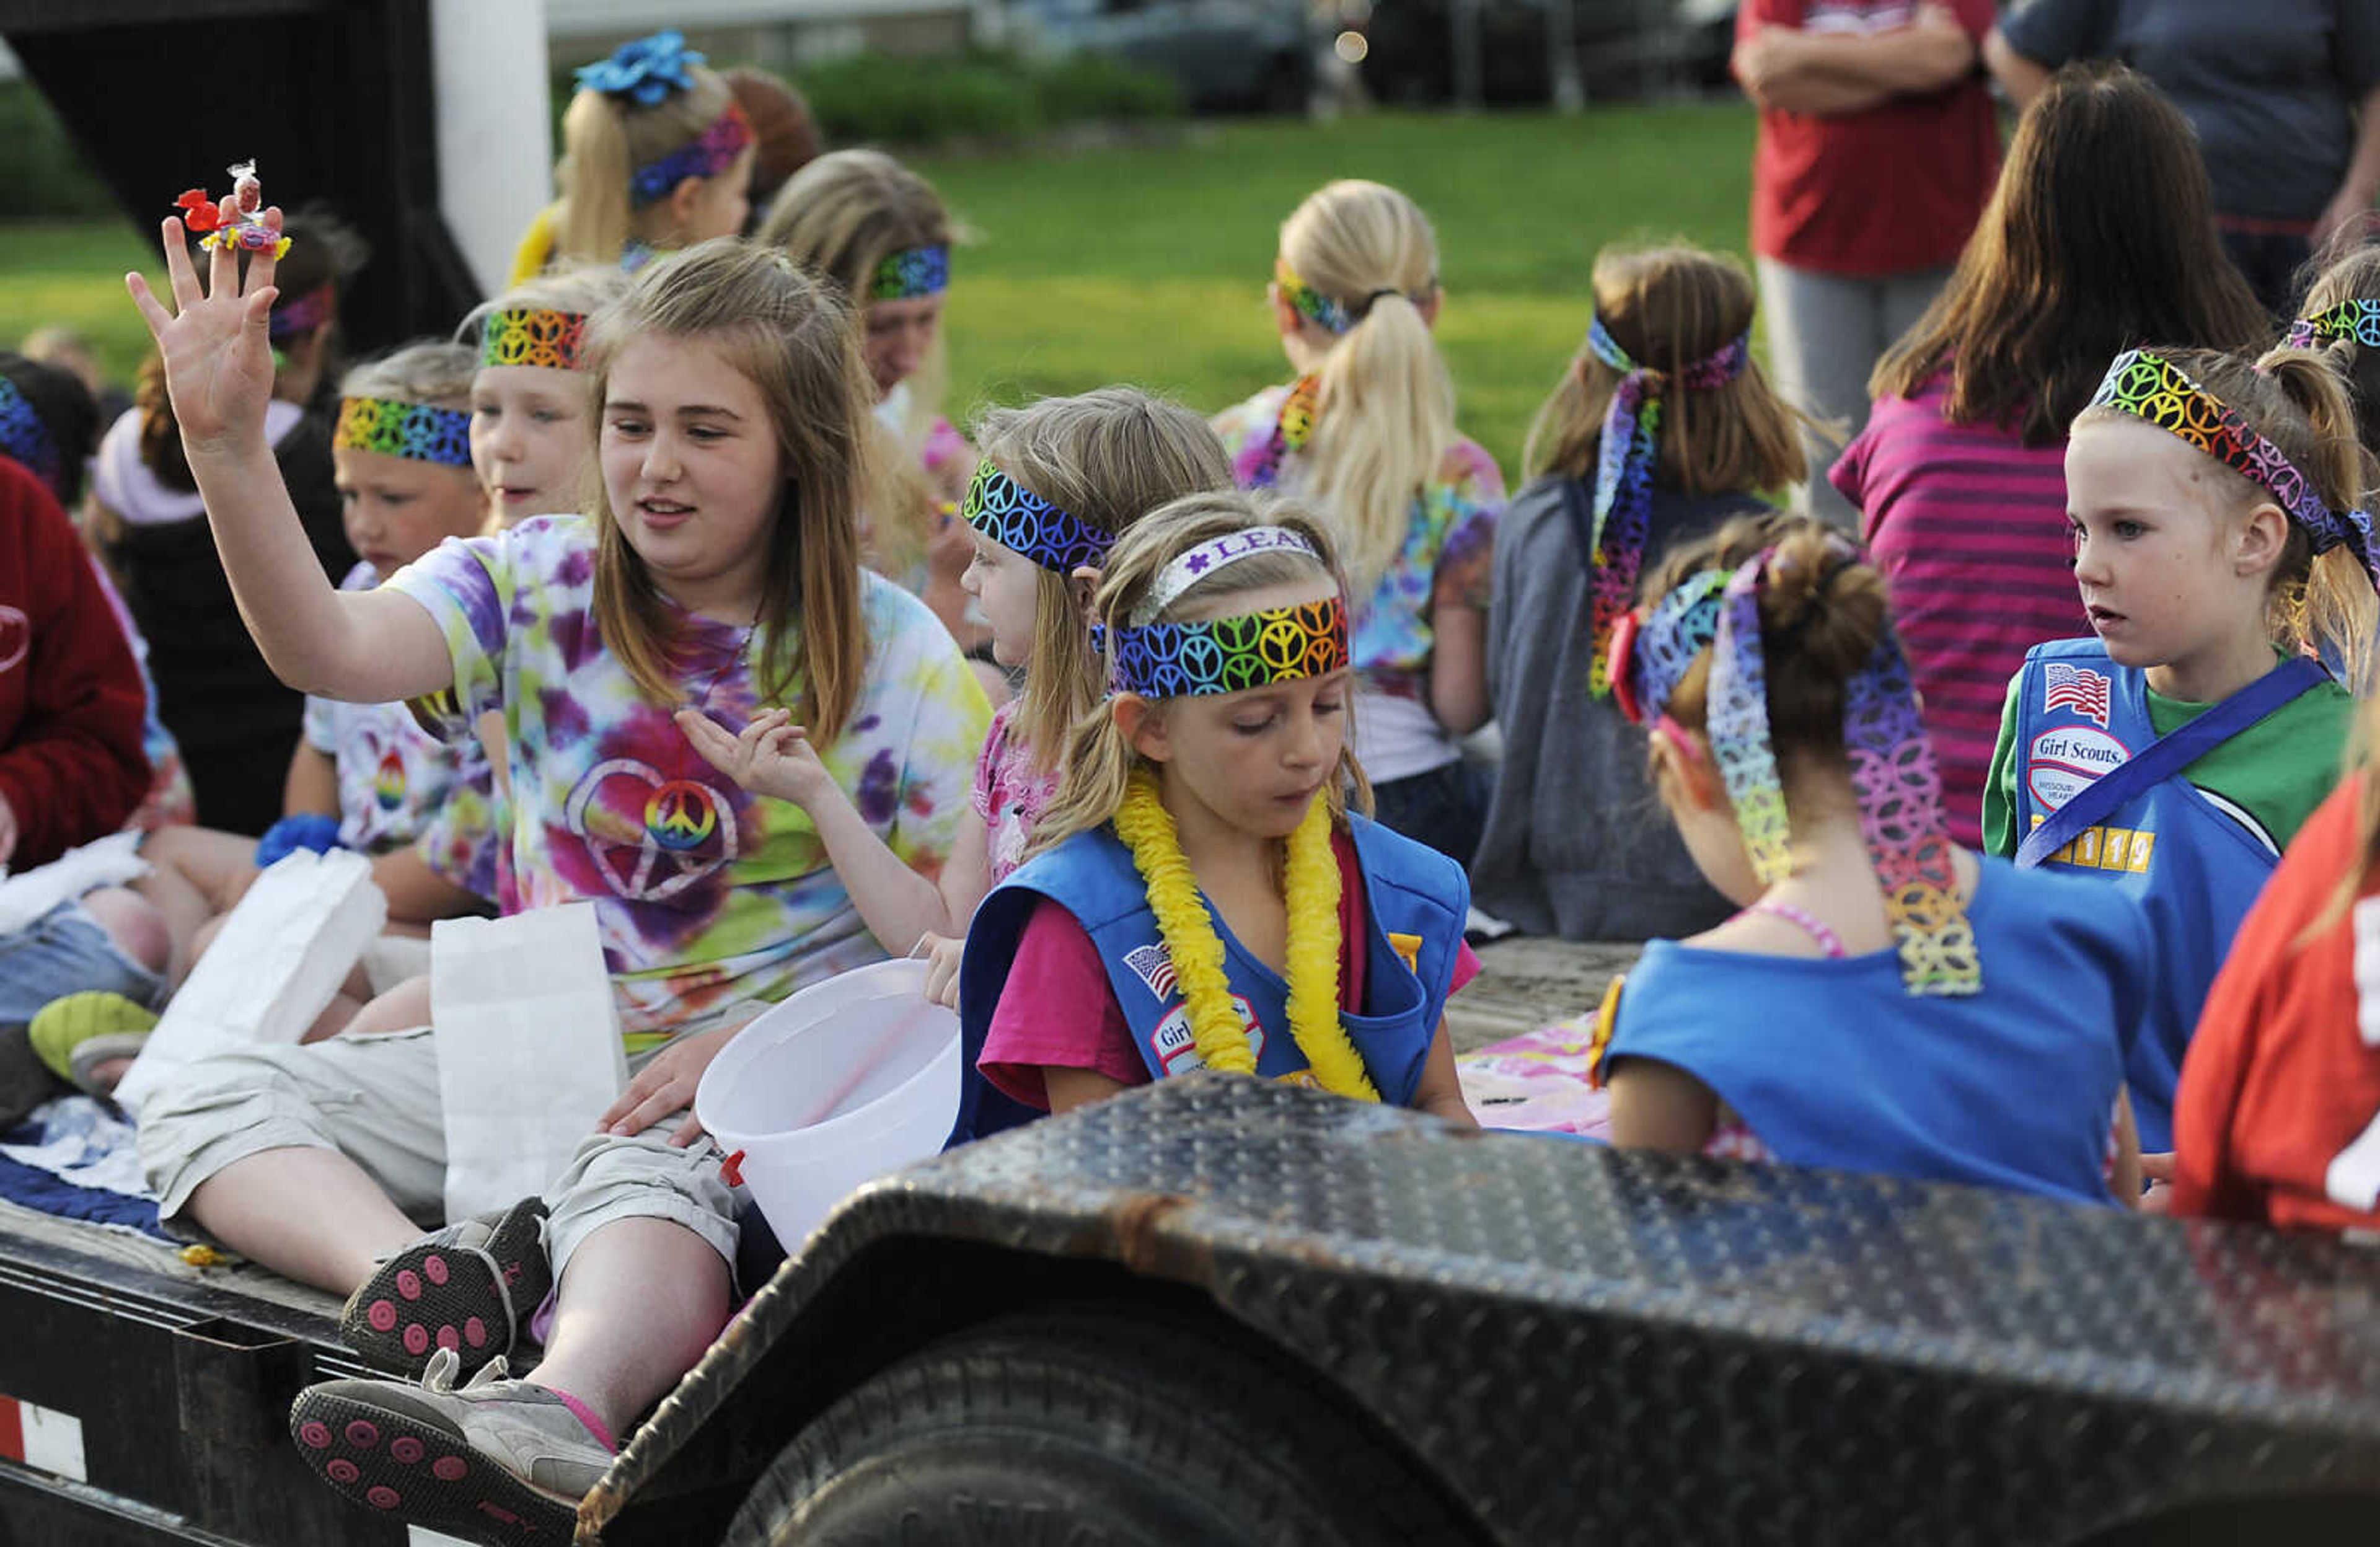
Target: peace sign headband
2358 320
1016 517
1892 766
1227 655
1630 448
2154 389
417 432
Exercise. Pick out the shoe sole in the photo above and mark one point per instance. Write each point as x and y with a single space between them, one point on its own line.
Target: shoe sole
427 1298
400 1468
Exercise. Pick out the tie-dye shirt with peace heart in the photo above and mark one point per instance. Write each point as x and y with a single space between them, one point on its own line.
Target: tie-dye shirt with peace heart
705 894
395 779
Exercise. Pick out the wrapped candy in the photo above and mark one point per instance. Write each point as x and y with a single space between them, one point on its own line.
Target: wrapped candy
236 222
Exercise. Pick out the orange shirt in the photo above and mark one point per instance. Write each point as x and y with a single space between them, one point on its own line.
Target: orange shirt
2279 1081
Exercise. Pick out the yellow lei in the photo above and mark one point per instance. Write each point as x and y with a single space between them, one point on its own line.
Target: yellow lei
1147 828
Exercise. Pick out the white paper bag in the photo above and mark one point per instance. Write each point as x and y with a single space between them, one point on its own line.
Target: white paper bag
273 968
528 1049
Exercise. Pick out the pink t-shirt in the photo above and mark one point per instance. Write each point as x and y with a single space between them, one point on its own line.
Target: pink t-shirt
1968 525
1009 792
1057 1010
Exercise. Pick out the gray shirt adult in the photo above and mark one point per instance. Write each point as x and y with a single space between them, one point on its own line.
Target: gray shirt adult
2270 85
1576 843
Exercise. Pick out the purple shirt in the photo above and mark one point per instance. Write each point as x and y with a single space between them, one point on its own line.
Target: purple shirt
1968 525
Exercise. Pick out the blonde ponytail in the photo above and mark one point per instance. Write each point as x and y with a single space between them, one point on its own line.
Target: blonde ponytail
1385 419
604 142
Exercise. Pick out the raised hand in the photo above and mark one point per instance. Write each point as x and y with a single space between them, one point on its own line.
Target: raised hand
773 756
218 358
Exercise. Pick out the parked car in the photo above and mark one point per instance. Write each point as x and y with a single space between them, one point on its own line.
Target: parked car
1228 55
1625 48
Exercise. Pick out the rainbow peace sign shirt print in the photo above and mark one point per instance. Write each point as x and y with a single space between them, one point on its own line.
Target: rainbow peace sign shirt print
706 895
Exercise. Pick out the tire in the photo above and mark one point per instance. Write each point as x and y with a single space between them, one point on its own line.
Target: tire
1095 1427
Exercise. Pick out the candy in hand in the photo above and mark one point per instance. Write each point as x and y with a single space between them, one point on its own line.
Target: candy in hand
247 192
236 222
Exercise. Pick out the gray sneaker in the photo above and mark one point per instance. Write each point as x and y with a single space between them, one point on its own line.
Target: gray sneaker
496 1461
471 1288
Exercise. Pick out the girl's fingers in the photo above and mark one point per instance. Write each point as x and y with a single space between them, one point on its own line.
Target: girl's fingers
180 277
260 265
259 319
222 267
153 311
687 1132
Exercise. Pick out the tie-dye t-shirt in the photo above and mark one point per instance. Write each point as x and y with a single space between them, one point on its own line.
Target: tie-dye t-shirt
1448 558
705 894
394 776
467 841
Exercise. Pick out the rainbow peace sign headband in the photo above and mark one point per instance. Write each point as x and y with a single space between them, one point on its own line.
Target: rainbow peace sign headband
2152 388
2358 320
1629 451
25 438
1892 760
912 273
707 157
415 431
1224 654
532 336
1014 517
1227 655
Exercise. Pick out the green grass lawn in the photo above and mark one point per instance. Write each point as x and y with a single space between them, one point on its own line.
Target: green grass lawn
1149 263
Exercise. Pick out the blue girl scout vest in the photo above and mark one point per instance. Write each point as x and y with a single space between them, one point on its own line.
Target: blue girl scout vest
1416 900
1833 1064
2195 869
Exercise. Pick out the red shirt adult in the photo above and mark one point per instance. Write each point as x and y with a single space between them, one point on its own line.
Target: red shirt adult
2279 1084
71 764
1887 189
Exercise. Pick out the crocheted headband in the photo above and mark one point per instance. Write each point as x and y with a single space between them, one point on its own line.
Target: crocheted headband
415 431
1892 760
531 335
303 314
1623 476
1186 569
1014 517
25 438
2358 320
1227 655
912 273
714 152
2150 387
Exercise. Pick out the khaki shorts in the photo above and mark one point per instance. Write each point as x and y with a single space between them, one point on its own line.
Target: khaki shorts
375 1100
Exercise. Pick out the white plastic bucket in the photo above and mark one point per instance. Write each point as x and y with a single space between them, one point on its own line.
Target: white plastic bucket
844 1081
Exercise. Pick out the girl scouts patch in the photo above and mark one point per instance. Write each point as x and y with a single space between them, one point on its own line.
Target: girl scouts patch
2062 761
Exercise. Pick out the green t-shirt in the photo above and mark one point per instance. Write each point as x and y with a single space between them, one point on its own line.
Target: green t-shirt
2277 771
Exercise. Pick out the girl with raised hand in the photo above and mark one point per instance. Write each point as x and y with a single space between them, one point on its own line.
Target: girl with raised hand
1200 896
2218 548
656 155
1367 433
1662 427
717 567
1058 483
1884 1001
881 233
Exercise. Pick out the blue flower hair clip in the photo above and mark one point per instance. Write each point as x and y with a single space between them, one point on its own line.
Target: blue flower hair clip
645 71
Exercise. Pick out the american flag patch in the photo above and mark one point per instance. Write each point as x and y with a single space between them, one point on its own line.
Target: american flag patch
1153 965
2078 688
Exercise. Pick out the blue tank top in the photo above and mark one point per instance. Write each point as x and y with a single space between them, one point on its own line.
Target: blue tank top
1415 900
1833 1063
2192 866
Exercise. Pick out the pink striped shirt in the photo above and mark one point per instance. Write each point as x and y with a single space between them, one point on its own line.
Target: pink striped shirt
1968 525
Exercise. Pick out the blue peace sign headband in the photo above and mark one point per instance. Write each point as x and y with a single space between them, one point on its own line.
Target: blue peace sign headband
1016 517
24 437
1227 655
2358 320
